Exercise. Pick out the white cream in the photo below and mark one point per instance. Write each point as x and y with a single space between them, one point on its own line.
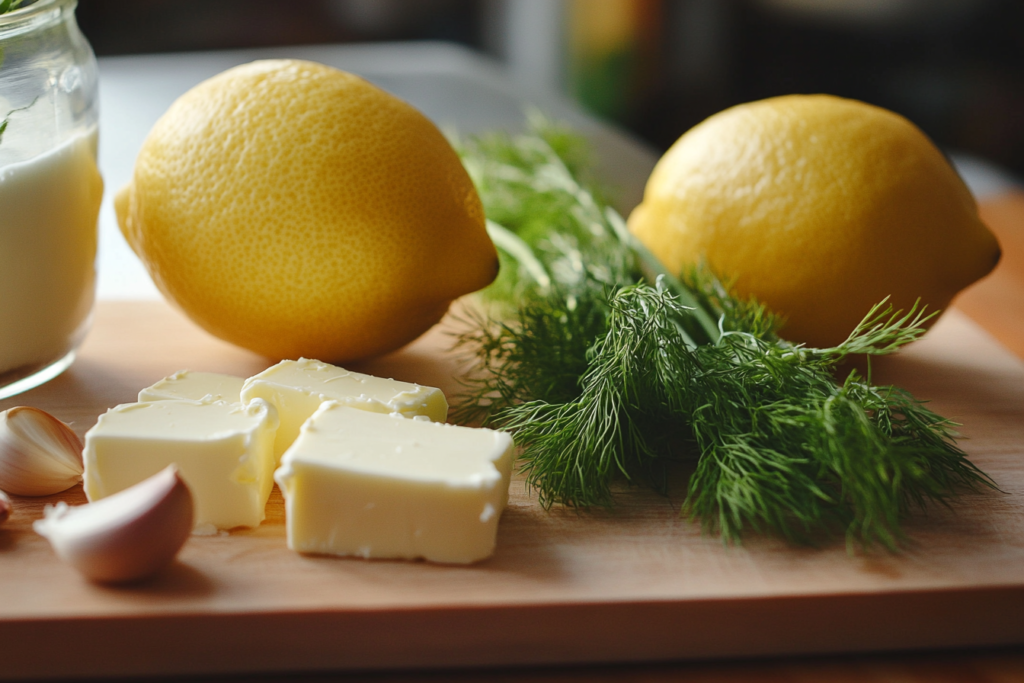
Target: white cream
48 210
190 385
224 452
382 486
297 388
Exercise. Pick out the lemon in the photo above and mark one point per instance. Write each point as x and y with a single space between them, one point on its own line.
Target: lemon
818 206
297 210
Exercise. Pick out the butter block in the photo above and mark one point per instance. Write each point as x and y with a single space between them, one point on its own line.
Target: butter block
298 387
190 385
382 486
223 450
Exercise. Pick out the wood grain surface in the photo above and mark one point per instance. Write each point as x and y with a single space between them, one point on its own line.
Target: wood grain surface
635 584
997 302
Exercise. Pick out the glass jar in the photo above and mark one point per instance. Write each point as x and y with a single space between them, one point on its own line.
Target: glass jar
50 191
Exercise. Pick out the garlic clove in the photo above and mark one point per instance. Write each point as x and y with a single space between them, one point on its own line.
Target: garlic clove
39 454
127 536
5 507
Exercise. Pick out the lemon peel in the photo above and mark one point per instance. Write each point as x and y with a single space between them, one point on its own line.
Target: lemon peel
820 207
297 210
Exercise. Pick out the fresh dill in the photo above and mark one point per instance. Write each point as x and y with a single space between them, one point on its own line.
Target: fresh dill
11 5
5 7
608 369
7 118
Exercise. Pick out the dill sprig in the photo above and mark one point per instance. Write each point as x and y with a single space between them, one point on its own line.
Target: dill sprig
11 5
608 369
5 7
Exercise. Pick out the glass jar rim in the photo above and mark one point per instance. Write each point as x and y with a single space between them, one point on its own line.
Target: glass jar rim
39 11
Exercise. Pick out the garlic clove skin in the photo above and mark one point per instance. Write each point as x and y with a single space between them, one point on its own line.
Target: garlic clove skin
39 454
127 536
6 508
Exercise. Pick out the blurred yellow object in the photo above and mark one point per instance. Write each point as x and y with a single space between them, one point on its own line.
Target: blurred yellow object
820 207
603 26
297 210
612 53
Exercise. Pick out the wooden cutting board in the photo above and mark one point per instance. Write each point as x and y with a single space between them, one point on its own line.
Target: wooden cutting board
637 583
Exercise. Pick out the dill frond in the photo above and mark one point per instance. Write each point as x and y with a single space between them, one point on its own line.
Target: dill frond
608 369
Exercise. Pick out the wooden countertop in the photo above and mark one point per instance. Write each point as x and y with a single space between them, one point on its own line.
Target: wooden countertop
636 585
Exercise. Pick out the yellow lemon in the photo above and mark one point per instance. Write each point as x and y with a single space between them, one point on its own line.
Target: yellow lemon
297 210
820 207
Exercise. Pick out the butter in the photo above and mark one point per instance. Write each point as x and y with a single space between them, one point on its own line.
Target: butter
382 486
186 384
223 450
297 388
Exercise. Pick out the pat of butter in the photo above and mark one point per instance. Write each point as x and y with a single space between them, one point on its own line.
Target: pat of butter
298 387
383 486
223 450
186 384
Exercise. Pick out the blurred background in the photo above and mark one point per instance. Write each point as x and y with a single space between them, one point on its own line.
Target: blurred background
657 67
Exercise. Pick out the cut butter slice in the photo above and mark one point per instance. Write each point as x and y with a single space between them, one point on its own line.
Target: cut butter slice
298 387
382 486
190 385
223 450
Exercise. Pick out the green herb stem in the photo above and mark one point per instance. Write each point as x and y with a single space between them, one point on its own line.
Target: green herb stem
608 369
